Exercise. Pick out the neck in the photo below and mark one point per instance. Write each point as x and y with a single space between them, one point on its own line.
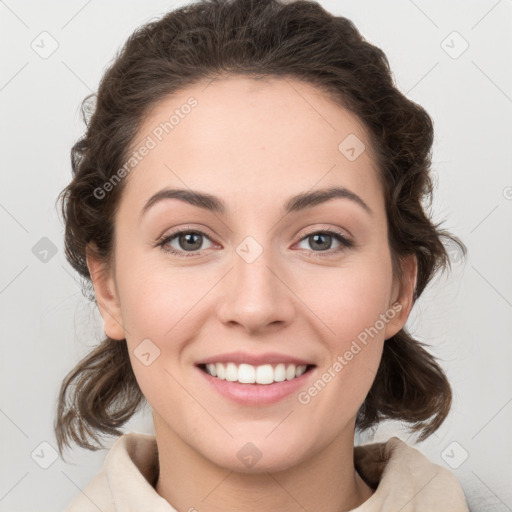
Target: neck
327 481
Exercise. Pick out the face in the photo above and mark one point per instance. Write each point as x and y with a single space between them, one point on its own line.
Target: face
265 280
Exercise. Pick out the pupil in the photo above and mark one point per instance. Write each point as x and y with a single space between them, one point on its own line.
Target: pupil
187 236
315 238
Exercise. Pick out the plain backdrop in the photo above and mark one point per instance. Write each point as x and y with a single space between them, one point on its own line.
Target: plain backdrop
452 57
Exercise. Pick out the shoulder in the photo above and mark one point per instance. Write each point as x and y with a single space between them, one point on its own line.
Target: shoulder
128 475
403 475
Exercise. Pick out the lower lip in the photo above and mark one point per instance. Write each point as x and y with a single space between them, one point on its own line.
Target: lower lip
257 394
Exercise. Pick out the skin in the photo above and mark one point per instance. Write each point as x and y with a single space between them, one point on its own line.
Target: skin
254 144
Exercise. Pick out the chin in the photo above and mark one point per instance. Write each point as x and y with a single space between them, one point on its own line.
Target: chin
259 455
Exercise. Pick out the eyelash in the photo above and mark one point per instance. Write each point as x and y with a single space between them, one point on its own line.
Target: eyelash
345 243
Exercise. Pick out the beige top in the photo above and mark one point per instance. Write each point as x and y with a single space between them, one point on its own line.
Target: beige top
403 477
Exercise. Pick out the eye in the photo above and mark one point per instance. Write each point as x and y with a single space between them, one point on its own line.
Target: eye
187 241
191 241
322 240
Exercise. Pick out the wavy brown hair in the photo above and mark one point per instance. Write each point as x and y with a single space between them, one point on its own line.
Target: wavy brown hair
299 40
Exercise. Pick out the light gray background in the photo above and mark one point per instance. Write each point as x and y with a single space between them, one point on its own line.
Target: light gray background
47 325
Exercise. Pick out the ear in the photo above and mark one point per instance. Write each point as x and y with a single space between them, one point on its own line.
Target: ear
402 296
106 294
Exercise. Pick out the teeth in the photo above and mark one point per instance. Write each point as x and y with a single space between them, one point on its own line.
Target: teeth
231 372
249 374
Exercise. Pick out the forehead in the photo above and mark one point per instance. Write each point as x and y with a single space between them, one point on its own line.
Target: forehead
247 139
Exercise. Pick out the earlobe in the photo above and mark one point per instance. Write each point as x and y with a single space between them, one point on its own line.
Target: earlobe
106 296
403 300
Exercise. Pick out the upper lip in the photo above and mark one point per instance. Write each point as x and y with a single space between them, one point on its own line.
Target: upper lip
254 359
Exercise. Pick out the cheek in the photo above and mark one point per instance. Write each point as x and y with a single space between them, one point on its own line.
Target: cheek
348 299
352 304
154 297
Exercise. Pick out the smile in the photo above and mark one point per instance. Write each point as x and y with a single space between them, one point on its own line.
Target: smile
261 385
250 374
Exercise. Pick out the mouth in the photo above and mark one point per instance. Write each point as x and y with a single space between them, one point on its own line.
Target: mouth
265 374
253 379
256 386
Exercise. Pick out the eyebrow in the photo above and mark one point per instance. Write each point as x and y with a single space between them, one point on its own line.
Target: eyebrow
295 203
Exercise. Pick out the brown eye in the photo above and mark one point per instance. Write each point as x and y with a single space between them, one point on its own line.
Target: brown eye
184 242
321 241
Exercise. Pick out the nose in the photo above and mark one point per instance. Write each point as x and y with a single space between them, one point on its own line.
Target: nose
255 295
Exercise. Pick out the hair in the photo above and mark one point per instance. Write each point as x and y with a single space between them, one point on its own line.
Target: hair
299 40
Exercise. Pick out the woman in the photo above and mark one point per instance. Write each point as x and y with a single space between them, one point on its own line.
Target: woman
268 136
